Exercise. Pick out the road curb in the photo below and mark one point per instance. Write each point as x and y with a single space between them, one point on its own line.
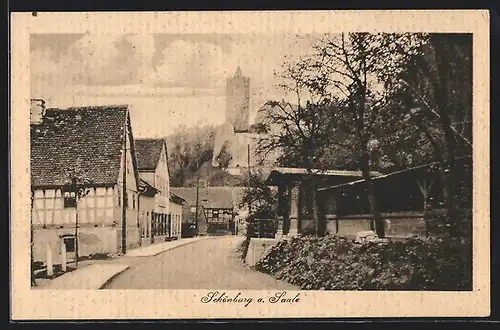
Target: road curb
109 280
177 246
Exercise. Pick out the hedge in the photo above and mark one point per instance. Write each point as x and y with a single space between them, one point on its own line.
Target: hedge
336 263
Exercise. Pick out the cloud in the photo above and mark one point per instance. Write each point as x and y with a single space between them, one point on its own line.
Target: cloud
138 90
49 74
115 59
141 59
184 76
96 60
192 64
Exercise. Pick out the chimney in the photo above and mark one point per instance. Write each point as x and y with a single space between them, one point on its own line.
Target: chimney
37 111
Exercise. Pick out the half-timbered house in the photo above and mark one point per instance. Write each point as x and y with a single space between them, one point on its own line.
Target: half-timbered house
89 150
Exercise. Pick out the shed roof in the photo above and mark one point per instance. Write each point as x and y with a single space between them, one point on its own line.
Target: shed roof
279 174
413 171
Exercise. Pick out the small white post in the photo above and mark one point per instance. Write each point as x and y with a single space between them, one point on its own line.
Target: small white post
50 264
63 255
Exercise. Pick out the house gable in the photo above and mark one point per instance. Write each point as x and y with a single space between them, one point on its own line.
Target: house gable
162 166
132 176
153 164
162 179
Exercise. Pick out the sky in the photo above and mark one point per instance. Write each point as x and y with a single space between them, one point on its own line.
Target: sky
167 80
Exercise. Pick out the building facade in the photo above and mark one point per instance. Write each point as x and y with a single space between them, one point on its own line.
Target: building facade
176 205
81 160
159 214
295 203
218 208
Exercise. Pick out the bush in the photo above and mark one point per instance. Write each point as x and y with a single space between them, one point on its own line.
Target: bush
336 263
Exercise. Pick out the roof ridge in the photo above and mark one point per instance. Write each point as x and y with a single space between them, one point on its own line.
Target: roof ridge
149 139
91 107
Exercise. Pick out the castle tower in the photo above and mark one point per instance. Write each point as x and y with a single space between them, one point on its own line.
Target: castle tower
238 101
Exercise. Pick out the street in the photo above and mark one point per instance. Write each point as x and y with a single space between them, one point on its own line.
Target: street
206 264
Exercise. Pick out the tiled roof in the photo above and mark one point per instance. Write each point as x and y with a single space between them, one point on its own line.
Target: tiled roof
176 198
211 197
148 153
88 139
148 189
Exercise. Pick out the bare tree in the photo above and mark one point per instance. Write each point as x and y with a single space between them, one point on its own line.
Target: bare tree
189 149
348 84
304 133
180 153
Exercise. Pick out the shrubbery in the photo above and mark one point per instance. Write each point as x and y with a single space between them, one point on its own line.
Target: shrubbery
335 263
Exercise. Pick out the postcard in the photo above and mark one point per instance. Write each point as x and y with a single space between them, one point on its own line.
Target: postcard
265 164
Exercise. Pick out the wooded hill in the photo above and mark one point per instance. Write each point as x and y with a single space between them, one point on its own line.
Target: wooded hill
190 152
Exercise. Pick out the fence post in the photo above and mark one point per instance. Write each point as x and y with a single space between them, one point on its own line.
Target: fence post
63 255
50 264
152 227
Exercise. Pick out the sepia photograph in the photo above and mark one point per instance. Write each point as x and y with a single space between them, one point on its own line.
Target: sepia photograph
283 162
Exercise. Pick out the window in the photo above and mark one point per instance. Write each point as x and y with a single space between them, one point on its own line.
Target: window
133 201
69 243
69 199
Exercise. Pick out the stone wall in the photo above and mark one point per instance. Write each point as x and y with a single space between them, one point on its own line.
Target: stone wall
397 224
257 248
90 241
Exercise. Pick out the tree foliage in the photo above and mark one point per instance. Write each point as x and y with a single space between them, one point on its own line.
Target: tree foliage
189 149
261 198
440 83
261 201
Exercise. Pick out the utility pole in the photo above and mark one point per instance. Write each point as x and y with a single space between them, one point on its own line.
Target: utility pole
197 202
75 189
140 217
124 194
249 176
33 282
